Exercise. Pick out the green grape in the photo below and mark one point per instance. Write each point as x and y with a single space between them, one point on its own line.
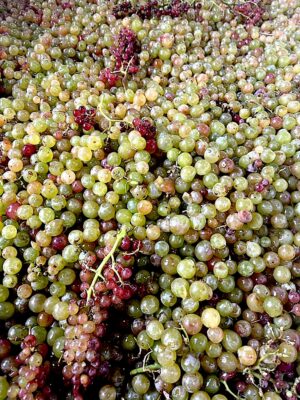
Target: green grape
4 386
171 338
7 310
170 374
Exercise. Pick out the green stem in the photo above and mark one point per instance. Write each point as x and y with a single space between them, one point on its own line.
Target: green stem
119 238
274 353
148 368
186 336
229 391
110 120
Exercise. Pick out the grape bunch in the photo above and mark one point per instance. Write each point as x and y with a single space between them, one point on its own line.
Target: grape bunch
148 132
109 78
126 51
29 371
124 9
152 8
85 117
81 353
251 11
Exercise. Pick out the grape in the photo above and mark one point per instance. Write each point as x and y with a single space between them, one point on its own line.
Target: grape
3 387
210 318
107 392
155 329
247 355
170 374
6 310
140 384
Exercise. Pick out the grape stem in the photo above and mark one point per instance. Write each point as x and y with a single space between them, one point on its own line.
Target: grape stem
294 388
274 353
229 390
186 336
99 270
148 368
110 120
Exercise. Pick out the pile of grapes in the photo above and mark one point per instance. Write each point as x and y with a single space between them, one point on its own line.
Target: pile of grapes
149 200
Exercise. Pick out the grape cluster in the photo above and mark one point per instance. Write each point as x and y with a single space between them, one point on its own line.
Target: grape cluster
175 9
145 128
126 52
109 78
152 8
85 333
116 286
85 117
82 345
251 11
124 9
148 131
29 371
148 10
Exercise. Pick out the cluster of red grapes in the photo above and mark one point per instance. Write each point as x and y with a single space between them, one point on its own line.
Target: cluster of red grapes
151 9
29 370
109 78
251 11
82 347
148 131
124 9
87 323
114 288
85 117
126 52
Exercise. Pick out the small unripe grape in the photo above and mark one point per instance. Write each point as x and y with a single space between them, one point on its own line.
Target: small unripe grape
282 274
9 232
171 338
287 352
215 335
4 386
68 177
200 291
180 287
192 323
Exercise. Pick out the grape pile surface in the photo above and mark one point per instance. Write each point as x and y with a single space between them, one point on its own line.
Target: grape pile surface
149 199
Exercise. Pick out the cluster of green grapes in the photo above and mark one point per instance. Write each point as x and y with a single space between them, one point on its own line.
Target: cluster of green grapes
150 200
